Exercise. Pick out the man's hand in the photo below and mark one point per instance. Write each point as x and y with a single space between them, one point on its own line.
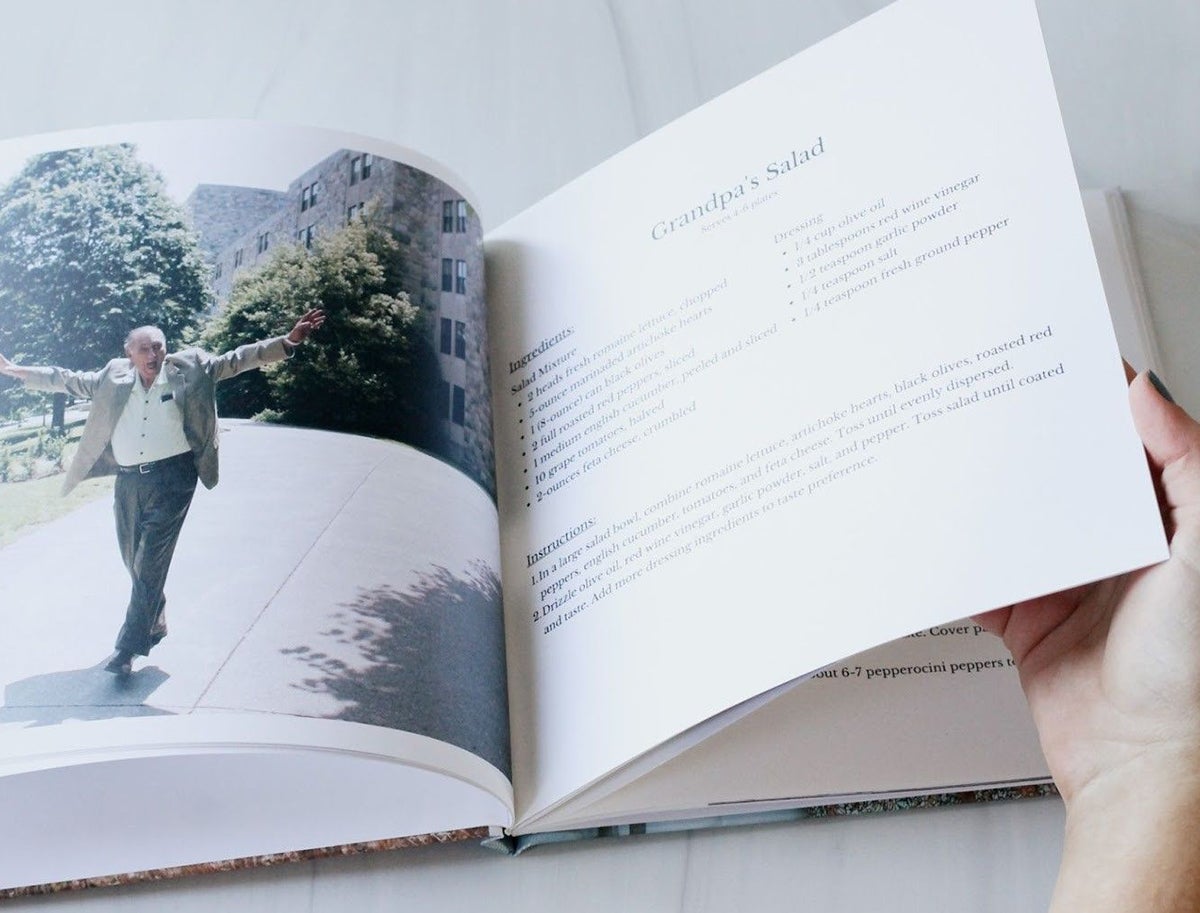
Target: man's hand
304 326
1112 674
11 369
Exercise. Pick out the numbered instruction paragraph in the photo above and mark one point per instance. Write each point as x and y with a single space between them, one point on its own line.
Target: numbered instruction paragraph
586 408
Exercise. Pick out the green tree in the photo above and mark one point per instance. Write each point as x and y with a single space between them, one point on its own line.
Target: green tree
369 370
90 247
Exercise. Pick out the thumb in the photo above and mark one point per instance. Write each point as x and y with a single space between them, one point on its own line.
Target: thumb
1172 441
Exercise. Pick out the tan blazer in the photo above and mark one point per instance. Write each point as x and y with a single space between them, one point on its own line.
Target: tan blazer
192 376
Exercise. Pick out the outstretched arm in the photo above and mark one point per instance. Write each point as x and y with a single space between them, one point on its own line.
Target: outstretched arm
49 379
12 369
257 354
1112 674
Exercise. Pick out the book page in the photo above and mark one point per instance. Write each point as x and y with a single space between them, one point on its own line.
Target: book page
300 468
220 786
818 365
940 710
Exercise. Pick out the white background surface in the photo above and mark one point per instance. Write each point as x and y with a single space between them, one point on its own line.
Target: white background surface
519 97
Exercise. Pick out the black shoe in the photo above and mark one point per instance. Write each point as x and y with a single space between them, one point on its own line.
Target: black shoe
120 663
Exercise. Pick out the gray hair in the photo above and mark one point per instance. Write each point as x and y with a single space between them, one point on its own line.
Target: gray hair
152 330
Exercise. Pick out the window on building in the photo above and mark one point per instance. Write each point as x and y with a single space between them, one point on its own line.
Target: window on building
360 167
460 276
264 241
447 275
447 331
460 339
305 235
308 196
217 272
444 398
454 216
458 406
237 258
356 211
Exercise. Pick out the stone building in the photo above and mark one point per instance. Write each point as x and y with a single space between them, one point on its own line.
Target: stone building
222 214
440 234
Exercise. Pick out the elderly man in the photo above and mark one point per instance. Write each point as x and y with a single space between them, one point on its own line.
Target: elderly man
153 422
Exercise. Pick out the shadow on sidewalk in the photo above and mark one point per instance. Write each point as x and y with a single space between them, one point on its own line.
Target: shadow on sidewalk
81 694
434 661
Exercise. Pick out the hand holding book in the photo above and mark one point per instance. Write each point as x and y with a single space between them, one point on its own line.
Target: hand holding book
1112 674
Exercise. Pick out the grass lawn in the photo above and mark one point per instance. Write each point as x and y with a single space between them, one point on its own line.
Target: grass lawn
25 505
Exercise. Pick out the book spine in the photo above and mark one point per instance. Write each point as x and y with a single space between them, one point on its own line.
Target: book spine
777 816
482 834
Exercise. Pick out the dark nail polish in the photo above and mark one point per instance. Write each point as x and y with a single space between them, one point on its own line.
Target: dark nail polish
1160 387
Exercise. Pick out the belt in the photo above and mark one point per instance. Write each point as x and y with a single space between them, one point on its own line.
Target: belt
142 469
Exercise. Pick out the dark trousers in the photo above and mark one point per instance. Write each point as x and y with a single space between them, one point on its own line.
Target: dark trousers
150 509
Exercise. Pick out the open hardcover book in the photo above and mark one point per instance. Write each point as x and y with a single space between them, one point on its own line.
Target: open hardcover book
661 503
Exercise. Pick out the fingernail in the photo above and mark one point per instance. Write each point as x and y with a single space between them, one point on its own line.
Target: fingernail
1160 387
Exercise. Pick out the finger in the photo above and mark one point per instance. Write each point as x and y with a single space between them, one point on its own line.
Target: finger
1172 441
995 621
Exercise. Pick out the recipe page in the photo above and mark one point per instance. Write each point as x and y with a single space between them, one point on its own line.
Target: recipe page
823 363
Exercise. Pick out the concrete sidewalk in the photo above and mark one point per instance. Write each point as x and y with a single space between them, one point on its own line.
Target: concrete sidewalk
327 575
